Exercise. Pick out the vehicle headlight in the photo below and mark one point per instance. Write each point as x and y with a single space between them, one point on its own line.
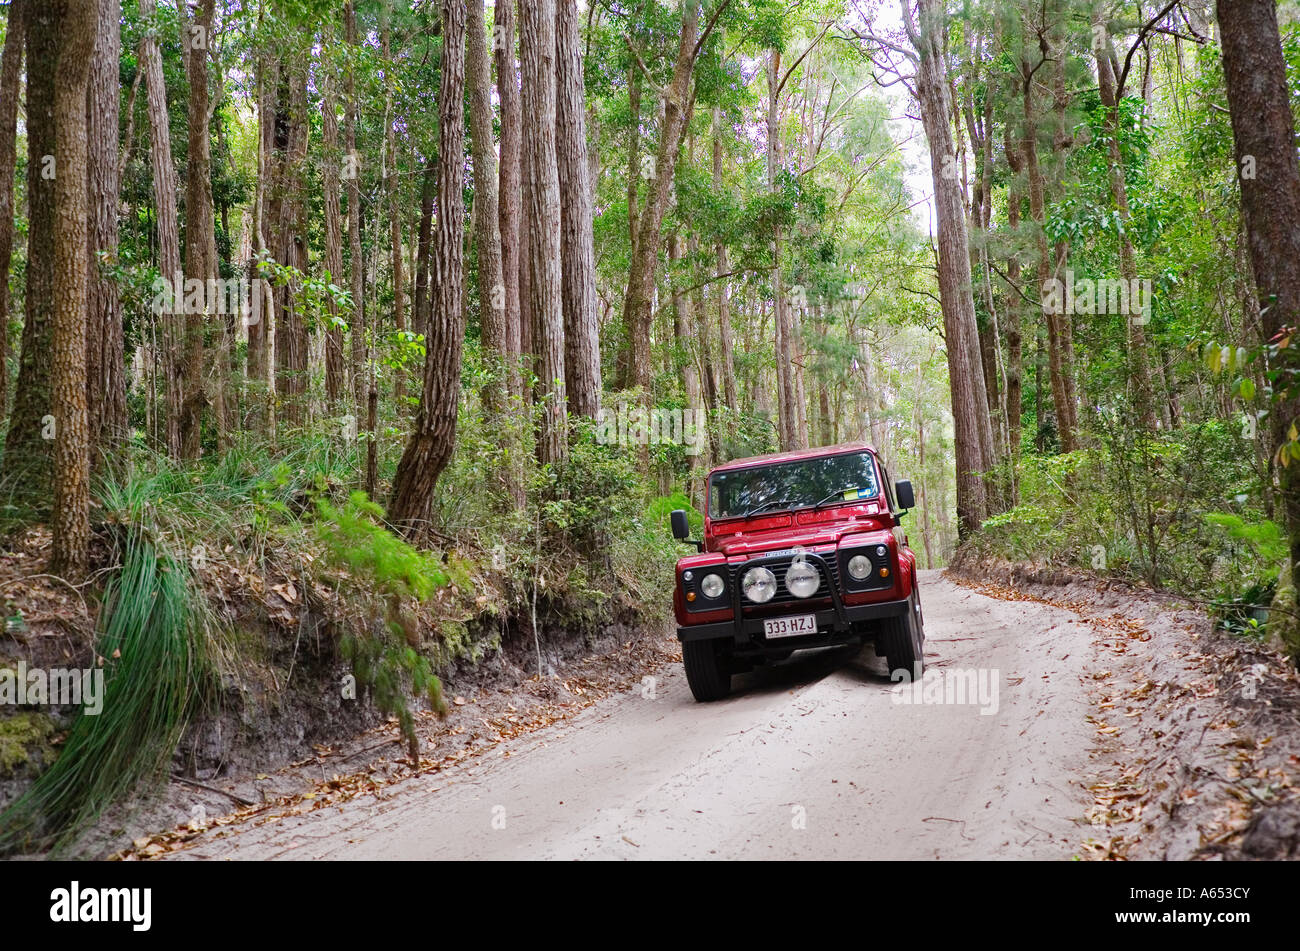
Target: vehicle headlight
802 580
759 585
859 566
712 585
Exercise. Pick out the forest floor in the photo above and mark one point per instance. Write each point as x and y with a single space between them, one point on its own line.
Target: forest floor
1112 724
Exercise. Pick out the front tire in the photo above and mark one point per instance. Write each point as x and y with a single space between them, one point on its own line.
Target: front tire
903 640
708 670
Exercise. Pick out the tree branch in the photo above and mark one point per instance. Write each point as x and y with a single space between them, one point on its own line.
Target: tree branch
1128 60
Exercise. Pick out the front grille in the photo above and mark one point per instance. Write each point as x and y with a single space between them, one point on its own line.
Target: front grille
827 569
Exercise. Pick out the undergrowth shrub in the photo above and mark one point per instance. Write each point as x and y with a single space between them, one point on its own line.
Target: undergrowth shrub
1174 510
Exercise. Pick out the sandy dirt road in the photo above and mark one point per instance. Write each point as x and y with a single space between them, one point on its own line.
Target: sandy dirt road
815 758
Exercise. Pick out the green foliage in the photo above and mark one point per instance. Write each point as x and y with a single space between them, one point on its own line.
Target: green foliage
1174 510
356 535
388 569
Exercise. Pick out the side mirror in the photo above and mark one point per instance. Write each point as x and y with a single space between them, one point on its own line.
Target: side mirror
681 528
904 494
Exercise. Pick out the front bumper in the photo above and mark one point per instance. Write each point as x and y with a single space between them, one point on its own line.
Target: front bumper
839 624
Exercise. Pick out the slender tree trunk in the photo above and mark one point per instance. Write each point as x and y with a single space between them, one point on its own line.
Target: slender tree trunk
200 237
684 320
434 438
1138 363
1015 344
352 170
527 319
787 411
1037 211
335 377
11 65
1062 139
393 189
641 274
423 243
577 243
511 190
291 342
487 210
537 45
266 236
71 516
724 287
169 247
105 353
623 364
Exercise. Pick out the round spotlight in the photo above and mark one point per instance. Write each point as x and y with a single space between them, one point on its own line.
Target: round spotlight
802 580
759 585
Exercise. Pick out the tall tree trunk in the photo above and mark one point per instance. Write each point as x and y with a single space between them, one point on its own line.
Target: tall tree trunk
685 331
724 287
542 195
266 238
973 432
335 377
510 192
787 411
71 516
352 108
623 362
1138 363
641 272
434 438
1263 135
27 449
577 243
527 319
169 244
105 353
291 342
1015 344
11 65
1062 139
392 187
487 211
200 236
423 243
1057 367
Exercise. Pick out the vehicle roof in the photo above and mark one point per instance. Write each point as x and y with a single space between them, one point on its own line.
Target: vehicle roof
772 457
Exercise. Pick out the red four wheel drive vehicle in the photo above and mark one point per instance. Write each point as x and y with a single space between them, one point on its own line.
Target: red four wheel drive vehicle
801 549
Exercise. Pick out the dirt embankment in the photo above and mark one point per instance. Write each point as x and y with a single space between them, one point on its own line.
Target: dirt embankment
280 733
1197 730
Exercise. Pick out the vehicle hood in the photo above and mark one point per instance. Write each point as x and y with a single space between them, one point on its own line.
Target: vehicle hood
749 543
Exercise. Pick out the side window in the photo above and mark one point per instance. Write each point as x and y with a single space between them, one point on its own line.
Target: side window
889 488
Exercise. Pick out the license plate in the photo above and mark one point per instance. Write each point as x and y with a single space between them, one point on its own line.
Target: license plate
790 626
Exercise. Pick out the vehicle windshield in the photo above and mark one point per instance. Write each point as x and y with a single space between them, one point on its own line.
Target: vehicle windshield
828 480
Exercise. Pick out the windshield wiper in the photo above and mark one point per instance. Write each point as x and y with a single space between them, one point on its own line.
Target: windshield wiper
836 494
767 504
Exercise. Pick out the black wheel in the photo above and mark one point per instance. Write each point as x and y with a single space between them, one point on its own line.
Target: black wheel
903 638
708 669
